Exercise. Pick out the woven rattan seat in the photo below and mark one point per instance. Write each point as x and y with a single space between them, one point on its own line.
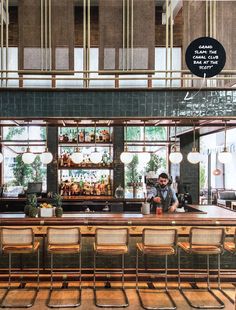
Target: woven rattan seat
64 249
111 249
200 249
21 248
155 250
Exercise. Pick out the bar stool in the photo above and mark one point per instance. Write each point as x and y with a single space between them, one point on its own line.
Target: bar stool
231 248
19 241
157 242
111 242
63 241
204 241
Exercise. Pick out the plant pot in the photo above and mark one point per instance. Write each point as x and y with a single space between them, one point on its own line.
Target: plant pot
46 212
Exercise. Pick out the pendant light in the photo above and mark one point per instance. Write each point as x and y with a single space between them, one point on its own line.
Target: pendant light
225 156
216 172
77 156
126 157
46 157
28 157
175 157
1 156
144 156
95 157
194 157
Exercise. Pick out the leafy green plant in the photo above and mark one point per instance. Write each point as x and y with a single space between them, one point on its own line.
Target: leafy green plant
58 203
132 174
31 209
155 163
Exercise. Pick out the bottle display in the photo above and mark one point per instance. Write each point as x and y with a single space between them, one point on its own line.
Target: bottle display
103 135
85 183
86 178
66 152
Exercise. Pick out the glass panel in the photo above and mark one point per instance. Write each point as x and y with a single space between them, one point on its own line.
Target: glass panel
16 174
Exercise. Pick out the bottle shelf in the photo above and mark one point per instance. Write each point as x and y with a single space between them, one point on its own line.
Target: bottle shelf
86 167
92 144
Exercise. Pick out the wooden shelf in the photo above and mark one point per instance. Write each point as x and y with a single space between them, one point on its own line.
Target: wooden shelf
92 144
86 168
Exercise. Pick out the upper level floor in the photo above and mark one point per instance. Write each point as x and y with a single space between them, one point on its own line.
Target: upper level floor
111 43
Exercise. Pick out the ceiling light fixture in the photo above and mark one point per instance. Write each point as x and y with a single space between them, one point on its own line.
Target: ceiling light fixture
225 156
126 157
144 156
28 157
77 156
175 157
95 157
46 157
194 157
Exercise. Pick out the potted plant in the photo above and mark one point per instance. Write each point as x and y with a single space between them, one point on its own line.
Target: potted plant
58 203
31 208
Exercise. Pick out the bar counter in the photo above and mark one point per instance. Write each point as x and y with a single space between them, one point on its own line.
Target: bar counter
199 215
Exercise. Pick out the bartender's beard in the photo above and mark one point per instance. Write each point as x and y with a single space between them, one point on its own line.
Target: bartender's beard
163 185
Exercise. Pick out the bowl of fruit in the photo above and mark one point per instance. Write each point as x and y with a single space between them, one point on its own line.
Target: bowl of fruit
46 210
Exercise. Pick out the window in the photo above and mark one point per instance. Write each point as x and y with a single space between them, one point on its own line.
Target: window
155 143
16 174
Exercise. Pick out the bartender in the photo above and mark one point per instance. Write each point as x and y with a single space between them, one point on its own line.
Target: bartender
163 195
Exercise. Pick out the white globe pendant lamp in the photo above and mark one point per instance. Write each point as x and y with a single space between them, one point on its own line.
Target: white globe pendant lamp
126 157
77 157
194 157
175 157
225 156
46 157
95 157
28 157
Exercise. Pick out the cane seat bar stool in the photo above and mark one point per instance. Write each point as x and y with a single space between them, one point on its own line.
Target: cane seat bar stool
156 242
63 241
230 246
111 242
19 241
203 241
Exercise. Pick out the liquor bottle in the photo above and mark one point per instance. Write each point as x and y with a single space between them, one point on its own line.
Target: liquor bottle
70 136
81 136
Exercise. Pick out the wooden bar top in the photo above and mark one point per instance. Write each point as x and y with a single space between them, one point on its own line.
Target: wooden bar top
203 215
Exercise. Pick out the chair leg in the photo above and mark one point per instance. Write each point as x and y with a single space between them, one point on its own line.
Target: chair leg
57 305
219 284
220 305
156 291
110 305
179 276
136 282
94 270
3 304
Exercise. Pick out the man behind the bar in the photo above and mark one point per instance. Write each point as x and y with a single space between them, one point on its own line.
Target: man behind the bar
163 195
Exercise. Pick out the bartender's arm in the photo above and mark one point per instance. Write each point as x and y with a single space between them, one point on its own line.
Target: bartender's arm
175 204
